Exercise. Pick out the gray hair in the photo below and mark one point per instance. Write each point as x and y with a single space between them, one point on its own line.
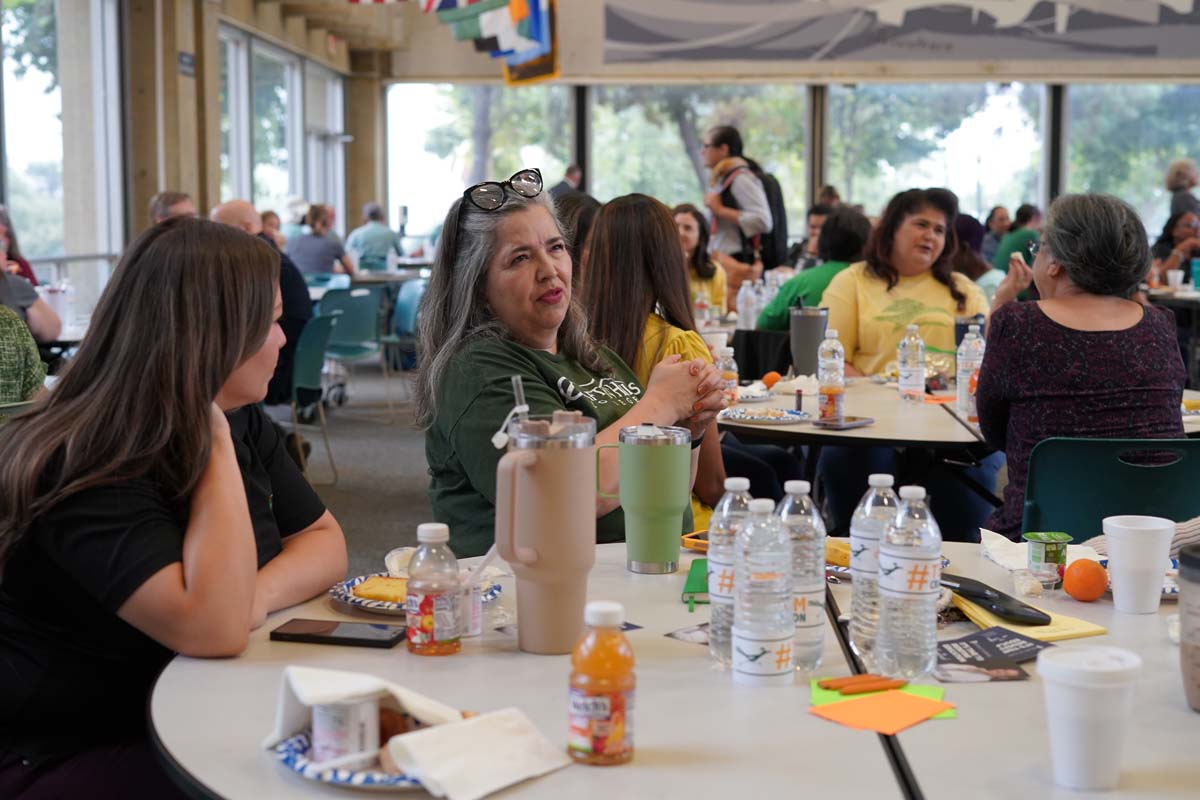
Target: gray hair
1182 174
373 211
1100 241
454 310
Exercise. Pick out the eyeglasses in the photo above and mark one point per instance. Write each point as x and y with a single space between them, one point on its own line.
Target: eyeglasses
490 195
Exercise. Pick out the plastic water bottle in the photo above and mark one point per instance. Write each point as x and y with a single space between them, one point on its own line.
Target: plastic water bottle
911 358
702 306
875 512
727 519
910 581
746 307
970 360
831 378
806 529
763 628
434 594
729 376
761 298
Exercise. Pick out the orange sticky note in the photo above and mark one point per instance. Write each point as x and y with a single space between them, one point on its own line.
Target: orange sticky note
887 712
940 399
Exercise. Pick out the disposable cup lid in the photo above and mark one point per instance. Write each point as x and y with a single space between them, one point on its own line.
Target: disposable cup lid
1088 666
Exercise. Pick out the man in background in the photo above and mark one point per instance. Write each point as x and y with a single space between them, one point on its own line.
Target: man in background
372 242
572 178
169 204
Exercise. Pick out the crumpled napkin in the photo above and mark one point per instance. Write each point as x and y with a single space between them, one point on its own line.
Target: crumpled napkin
807 383
1015 555
471 759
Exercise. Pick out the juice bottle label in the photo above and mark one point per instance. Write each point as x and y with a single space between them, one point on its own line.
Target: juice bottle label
808 607
830 405
864 552
730 387
599 723
909 576
432 617
720 581
761 656
972 386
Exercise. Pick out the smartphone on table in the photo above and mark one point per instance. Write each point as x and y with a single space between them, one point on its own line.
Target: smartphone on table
328 631
846 424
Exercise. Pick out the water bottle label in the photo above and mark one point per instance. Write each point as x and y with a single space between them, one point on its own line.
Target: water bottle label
599 723
720 581
912 380
432 617
902 575
808 608
763 656
864 552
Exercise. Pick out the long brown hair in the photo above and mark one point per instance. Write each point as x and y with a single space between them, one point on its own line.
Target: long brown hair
635 266
189 301
698 259
878 252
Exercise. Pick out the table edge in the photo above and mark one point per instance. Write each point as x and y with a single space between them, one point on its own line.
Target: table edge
185 781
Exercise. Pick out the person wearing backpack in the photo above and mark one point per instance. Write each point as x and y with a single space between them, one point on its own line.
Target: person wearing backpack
739 210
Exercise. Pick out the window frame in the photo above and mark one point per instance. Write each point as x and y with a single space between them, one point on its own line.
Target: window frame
240 112
293 77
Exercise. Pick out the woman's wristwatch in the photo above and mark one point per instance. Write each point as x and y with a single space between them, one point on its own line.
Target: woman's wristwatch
696 440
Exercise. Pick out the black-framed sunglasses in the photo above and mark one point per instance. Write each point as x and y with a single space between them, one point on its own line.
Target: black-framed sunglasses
490 195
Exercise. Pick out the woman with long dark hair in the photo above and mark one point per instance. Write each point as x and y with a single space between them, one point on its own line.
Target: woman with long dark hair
705 275
1177 245
147 508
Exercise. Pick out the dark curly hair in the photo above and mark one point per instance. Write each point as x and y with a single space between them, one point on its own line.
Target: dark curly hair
878 252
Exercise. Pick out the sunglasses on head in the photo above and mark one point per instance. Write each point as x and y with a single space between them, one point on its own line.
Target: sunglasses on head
490 195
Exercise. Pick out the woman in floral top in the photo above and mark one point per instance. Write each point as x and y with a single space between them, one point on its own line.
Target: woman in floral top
21 369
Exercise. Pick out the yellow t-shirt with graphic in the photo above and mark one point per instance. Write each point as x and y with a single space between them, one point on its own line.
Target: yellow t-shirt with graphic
659 340
715 286
870 319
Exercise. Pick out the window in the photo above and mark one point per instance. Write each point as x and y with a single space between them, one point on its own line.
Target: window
234 108
443 138
326 183
1121 138
982 141
275 116
647 139
62 176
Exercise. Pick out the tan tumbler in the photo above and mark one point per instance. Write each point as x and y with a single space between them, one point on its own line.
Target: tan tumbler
546 526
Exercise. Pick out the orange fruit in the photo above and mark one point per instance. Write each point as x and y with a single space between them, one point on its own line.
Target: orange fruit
1085 580
771 378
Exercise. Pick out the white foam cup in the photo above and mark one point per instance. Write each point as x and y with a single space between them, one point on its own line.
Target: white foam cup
715 339
1174 278
1089 697
1138 548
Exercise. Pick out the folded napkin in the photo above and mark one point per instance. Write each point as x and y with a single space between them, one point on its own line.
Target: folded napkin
304 687
473 758
1015 555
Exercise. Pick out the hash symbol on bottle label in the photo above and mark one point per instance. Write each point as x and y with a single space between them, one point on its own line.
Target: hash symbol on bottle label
909 576
720 581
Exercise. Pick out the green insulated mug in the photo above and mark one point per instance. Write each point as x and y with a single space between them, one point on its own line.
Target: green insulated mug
655 463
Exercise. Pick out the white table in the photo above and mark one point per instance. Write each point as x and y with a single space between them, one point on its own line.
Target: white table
697 735
999 747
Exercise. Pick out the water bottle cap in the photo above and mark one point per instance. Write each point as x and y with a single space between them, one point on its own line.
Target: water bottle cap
912 326
797 487
762 506
831 333
726 351
737 484
973 328
433 533
912 492
881 481
604 614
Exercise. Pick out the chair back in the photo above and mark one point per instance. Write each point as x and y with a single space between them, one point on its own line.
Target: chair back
358 322
1073 484
408 303
309 357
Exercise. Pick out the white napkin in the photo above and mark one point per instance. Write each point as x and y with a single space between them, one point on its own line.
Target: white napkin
304 687
806 383
473 758
1015 555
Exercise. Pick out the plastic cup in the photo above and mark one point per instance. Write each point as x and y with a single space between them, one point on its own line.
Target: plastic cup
1047 556
715 340
1089 697
1138 548
1174 278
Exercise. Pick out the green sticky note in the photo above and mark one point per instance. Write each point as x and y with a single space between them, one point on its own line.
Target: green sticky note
821 697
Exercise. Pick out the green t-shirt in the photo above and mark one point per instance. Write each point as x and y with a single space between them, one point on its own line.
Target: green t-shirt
476 396
1015 242
808 285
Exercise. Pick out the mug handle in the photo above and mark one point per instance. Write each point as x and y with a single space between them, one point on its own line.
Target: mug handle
599 491
506 507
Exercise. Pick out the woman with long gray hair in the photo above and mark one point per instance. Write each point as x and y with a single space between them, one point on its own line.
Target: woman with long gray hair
500 304
1085 360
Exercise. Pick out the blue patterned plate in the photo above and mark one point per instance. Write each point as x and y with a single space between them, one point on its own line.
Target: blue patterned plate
293 754
344 593
1170 590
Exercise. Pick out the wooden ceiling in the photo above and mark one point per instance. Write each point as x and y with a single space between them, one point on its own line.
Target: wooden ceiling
364 26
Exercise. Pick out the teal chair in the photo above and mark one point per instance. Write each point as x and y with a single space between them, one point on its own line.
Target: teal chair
357 335
307 364
401 343
1073 484
327 280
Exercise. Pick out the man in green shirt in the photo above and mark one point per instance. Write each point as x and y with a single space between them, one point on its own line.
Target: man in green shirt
372 242
843 236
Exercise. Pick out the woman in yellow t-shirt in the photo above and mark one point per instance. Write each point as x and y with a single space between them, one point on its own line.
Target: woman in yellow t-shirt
907 278
704 274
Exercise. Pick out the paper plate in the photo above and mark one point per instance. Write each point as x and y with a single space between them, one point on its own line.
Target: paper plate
1170 590
344 593
764 416
293 754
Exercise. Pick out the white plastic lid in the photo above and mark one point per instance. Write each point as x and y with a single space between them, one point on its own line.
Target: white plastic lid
604 614
973 328
726 351
762 505
912 326
881 481
433 533
1088 665
831 333
912 492
737 484
797 487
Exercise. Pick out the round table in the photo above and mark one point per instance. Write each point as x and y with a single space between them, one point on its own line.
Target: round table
696 733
